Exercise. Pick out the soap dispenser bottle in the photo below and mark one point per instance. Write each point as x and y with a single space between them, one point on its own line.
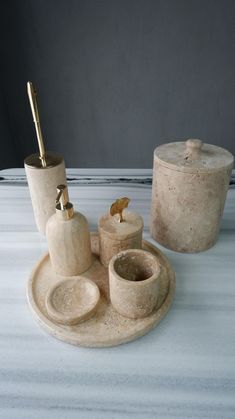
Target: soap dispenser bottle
68 237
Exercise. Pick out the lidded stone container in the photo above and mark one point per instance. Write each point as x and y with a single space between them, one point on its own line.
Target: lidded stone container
190 183
115 236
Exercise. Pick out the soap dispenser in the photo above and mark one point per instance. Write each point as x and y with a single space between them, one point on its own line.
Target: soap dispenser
68 237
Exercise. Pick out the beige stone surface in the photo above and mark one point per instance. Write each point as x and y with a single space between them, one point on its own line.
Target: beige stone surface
73 300
115 236
42 186
188 194
107 327
69 244
134 278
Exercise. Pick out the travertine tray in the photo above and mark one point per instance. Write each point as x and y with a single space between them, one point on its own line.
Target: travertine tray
106 327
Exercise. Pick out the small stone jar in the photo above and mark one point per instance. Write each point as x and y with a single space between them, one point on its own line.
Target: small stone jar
190 183
115 236
134 279
42 183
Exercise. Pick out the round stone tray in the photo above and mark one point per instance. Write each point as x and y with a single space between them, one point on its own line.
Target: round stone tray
106 327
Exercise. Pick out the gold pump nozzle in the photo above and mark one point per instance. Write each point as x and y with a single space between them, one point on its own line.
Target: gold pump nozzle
64 208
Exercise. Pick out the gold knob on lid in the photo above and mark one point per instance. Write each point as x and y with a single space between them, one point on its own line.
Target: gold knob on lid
118 207
64 208
193 148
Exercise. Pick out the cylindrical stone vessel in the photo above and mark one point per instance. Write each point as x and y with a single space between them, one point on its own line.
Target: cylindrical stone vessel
134 278
42 183
115 236
190 183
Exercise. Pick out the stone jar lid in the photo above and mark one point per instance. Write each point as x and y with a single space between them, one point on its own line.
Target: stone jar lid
193 156
132 225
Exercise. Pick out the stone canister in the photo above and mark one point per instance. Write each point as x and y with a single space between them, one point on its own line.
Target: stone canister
42 181
116 235
190 183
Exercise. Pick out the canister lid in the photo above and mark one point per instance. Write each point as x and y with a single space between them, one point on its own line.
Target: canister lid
193 156
121 231
51 158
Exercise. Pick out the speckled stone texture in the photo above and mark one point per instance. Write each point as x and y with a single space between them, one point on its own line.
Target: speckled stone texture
188 195
72 300
115 236
134 278
69 244
42 184
107 327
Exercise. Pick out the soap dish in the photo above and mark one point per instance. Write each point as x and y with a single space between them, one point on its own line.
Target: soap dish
72 300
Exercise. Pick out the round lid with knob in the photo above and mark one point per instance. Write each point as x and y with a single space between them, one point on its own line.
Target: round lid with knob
193 156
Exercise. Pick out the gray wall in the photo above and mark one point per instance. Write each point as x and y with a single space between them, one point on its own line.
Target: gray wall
117 77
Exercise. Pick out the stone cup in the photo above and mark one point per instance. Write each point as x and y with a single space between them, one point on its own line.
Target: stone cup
134 278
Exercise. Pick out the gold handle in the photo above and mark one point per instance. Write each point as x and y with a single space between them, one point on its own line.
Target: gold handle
118 206
34 108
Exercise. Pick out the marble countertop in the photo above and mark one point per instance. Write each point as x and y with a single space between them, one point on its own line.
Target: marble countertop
184 368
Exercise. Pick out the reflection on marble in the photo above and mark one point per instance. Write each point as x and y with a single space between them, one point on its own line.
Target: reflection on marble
185 368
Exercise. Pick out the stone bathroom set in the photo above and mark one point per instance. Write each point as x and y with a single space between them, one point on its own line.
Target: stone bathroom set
110 287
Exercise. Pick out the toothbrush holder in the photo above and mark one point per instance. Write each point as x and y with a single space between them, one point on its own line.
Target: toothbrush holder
134 279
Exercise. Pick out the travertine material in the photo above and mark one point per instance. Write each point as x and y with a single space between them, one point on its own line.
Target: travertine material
72 300
115 236
107 327
69 244
134 278
42 183
190 183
